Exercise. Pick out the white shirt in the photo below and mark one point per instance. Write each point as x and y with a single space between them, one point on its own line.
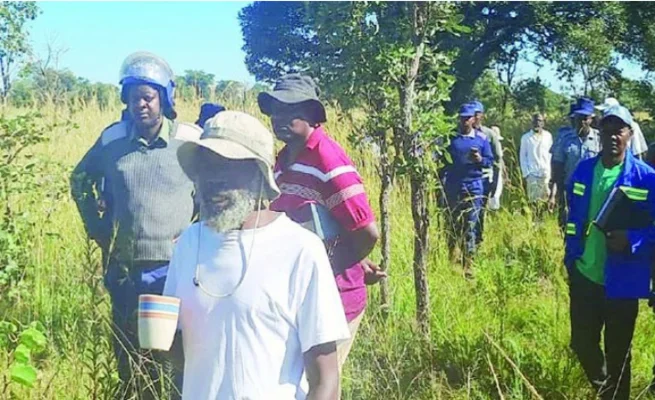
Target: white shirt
638 143
250 345
535 154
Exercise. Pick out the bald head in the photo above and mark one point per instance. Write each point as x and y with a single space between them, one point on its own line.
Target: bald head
537 122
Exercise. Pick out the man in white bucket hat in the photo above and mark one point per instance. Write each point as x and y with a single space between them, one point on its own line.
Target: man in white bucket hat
259 304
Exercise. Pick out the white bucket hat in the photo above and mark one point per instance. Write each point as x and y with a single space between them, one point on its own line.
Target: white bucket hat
237 136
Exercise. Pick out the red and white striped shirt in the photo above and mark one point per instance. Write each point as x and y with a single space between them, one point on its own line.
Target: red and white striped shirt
323 174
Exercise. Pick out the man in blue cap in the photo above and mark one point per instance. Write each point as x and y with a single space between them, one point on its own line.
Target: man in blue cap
134 164
470 152
572 146
491 174
608 271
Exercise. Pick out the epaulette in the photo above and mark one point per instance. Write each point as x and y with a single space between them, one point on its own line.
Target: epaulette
115 131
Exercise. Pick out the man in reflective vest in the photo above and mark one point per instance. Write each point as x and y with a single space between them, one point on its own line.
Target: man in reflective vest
608 272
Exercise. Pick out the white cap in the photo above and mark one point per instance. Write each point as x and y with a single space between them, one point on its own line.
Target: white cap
609 102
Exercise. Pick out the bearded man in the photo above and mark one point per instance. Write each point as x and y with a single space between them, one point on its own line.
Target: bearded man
259 304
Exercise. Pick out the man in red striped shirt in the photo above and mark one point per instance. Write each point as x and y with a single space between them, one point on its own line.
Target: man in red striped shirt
314 169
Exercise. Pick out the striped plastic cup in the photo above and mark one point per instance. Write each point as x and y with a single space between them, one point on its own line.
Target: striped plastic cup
157 321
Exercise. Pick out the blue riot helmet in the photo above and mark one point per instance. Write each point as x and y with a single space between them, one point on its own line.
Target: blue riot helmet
143 67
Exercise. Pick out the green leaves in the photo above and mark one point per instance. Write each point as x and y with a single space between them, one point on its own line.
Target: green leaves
30 342
33 339
23 374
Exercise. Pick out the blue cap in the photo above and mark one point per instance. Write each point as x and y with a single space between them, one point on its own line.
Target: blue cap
571 109
619 112
467 110
584 106
478 106
207 111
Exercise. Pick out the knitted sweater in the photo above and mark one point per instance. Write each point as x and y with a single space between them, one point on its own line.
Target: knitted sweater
150 199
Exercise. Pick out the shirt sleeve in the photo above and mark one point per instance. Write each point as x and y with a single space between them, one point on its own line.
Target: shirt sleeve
523 156
557 149
320 317
497 149
180 257
487 154
642 241
638 145
83 180
175 265
345 197
170 287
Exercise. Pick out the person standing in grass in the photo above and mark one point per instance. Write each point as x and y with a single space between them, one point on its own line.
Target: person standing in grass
259 304
573 144
491 174
151 204
314 168
608 272
535 161
470 153
494 198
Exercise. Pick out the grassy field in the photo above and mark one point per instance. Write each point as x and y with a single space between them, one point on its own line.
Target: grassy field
502 336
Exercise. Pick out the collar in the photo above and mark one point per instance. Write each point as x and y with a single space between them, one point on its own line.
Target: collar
315 138
625 177
163 135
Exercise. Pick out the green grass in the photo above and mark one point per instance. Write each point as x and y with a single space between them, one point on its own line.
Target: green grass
518 301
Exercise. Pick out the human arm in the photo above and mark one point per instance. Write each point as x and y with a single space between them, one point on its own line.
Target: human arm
523 156
486 159
83 186
322 368
637 242
349 206
176 352
556 170
355 246
320 320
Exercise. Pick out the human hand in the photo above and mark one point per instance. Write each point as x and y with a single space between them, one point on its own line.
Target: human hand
617 241
372 272
475 156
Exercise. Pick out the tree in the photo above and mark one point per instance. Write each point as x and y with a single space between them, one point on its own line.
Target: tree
292 44
372 56
422 118
14 43
531 95
506 69
201 82
586 52
230 89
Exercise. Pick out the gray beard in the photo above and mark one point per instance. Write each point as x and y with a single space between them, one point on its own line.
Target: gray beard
241 202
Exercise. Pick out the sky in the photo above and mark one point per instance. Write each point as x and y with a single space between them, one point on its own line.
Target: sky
97 36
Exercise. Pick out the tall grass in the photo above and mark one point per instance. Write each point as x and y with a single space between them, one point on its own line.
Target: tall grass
503 335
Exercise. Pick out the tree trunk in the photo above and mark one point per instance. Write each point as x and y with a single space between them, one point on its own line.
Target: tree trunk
4 71
421 225
409 146
386 177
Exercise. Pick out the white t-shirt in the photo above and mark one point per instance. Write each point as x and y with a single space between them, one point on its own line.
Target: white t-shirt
250 345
